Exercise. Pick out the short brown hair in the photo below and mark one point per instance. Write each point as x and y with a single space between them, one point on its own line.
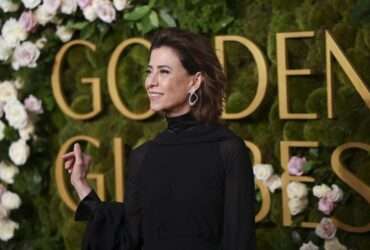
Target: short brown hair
197 55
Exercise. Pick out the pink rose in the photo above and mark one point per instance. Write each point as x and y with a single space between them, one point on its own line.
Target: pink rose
335 194
326 229
84 3
326 205
25 55
295 165
33 104
105 10
28 21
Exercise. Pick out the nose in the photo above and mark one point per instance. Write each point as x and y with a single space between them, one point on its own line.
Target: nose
151 80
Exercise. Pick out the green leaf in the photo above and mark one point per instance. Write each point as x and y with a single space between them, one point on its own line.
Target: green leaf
314 152
222 23
88 31
167 18
308 166
77 25
138 13
154 18
10 133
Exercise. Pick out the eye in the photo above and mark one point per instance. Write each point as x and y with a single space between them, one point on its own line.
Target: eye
147 72
163 71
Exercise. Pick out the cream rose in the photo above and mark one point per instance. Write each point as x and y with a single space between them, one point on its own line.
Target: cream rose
51 6
25 55
10 200
297 190
3 212
5 50
297 206
263 171
7 91
105 10
120 4
7 228
13 32
8 172
2 128
16 114
43 16
309 246
40 43
64 33
68 6
27 132
320 191
19 152
9 6
334 244
335 194
30 4
326 229
273 183
90 13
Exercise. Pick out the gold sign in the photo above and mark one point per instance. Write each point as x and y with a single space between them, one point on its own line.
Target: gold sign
332 51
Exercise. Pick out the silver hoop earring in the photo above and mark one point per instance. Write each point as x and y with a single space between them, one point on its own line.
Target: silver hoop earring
192 96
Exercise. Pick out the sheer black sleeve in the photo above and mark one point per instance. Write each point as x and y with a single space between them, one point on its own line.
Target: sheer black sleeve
114 225
239 225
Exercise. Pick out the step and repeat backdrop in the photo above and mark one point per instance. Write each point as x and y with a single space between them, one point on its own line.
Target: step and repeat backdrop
298 94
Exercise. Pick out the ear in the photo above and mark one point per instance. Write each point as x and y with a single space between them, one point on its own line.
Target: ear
197 80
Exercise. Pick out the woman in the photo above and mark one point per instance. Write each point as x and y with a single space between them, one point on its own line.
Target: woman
192 186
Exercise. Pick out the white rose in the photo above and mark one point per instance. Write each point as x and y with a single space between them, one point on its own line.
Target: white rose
13 32
51 6
30 4
19 152
120 4
297 206
7 91
40 43
273 183
334 244
335 194
326 229
43 16
25 133
297 190
10 200
9 6
309 246
25 55
320 191
16 114
2 129
105 10
68 6
8 172
7 228
90 13
262 171
3 212
5 50
64 33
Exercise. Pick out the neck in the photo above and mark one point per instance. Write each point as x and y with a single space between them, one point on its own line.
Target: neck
176 124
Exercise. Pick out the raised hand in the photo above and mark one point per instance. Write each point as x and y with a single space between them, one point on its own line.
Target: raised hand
77 164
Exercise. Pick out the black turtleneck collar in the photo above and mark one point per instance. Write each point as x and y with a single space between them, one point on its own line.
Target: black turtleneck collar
176 124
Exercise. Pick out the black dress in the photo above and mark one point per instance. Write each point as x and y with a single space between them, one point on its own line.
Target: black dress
190 188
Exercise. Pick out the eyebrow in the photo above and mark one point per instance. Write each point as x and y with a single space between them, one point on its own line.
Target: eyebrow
160 66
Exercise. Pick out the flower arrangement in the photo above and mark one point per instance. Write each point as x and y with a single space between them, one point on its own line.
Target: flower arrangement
17 121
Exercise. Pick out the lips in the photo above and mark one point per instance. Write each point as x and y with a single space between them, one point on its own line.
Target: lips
155 94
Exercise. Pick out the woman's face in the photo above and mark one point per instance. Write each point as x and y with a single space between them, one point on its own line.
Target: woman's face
168 83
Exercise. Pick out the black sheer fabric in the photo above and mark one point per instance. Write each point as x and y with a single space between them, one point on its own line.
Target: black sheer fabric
190 188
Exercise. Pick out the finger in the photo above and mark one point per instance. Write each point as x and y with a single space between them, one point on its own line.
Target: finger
86 159
68 164
67 155
77 151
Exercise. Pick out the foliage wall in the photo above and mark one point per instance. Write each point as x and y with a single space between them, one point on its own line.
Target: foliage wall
46 222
